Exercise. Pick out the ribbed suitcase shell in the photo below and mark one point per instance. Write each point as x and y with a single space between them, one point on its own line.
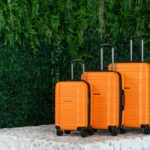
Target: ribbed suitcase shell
106 99
136 83
72 105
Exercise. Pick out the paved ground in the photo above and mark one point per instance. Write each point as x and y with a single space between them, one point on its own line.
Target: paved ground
44 138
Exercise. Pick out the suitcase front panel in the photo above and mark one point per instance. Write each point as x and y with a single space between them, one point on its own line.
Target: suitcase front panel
136 79
104 98
71 105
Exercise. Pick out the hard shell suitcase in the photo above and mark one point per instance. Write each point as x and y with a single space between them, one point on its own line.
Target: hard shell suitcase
136 80
72 105
106 97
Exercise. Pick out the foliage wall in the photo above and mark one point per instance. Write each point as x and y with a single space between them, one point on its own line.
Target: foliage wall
38 39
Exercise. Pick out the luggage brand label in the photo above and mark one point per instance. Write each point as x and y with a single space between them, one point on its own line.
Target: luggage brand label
127 88
96 93
68 101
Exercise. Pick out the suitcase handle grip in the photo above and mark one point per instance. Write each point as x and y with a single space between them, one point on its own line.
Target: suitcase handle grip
106 45
72 66
101 52
142 47
136 37
123 100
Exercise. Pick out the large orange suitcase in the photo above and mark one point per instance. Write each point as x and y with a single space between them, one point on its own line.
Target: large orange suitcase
106 97
136 82
72 105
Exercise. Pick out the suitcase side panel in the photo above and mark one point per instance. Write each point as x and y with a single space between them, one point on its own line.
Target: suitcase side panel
71 107
136 78
104 98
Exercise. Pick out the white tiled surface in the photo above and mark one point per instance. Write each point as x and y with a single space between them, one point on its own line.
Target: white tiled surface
44 138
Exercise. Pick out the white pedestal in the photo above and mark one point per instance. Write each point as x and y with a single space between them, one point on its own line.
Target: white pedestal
44 138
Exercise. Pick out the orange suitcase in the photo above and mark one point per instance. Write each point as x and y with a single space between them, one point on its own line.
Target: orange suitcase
106 97
136 81
72 105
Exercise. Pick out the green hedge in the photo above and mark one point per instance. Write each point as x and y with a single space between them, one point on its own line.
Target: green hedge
38 39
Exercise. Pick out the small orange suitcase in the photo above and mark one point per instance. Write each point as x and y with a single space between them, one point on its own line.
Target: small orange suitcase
72 105
106 97
136 80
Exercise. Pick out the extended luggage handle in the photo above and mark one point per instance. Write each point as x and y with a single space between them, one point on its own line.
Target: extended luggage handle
142 47
72 66
112 51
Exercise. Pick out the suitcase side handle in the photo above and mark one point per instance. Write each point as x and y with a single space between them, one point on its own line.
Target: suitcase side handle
142 47
101 52
72 66
123 100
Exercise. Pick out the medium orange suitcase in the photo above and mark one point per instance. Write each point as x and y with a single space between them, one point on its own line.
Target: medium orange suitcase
136 82
106 97
72 105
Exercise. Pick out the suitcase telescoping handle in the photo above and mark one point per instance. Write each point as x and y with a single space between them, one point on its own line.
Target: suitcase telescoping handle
112 51
72 66
142 47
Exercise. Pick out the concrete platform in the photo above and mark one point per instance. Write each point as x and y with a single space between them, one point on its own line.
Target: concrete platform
44 138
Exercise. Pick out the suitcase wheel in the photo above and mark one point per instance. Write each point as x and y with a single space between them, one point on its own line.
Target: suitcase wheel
122 130
114 131
59 132
91 131
146 130
67 132
83 133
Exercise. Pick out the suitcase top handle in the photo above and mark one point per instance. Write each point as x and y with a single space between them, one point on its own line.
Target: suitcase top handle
72 66
101 52
142 47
